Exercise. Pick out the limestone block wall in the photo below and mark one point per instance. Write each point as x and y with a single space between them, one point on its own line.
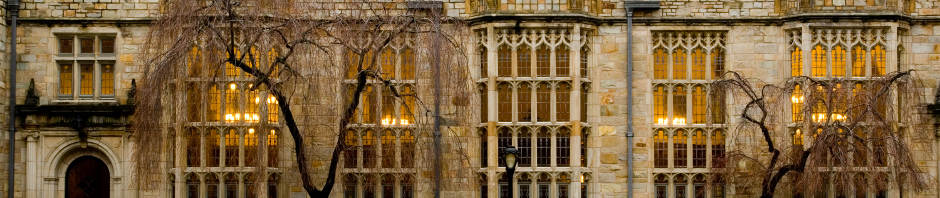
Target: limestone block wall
89 9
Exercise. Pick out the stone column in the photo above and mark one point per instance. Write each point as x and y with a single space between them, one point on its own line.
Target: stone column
32 174
491 146
575 106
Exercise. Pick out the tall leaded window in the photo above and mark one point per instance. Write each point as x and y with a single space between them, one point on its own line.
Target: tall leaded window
525 147
562 147
687 111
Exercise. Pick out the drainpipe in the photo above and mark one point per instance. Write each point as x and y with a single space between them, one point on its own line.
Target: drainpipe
13 8
630 6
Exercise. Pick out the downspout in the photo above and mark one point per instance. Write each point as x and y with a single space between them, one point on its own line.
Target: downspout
13 8
630 6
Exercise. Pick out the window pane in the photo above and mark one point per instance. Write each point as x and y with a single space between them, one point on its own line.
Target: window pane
543 101
718 63
66 45
252 106
659 105
231 148
543 147
858 61
718 149
388 64
678 105
585 72
87 45
388 107
796 62
107 44
87 79
660 64
819 61
562 148
698 149
407 64
503 140
388 149
525 147
584 101
213 145
525 102
352 62
483 62
65 79
838 61
212 186
524 61
349 186
698 64
505 103
562 107
232 94
251 147
350 154
504 66
698 105
679 66
484 105
408 109
274 109
368 149
679 141
796 100
272 148
879 62
562 61
107 79
193 143
368 105
388 186
543 69
215 101
661 154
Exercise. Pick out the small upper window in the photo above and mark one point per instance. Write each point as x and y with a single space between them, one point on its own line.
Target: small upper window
93 75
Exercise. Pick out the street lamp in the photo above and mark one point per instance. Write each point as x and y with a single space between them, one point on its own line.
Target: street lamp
509 155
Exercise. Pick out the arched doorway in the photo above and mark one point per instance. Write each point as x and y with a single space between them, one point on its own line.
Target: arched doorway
87 177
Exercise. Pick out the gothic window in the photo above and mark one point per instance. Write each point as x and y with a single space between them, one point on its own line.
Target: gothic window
679 66
698 185
387 59
878 60
272 186
858 61
661 185
504 66
544 186
718 63
525 147
524 186
524 61
231 148
661 149
251 147
483 62
212 186
584 102
482 145
660 63
796 100
562 147
698 105
543 102
368 105
543 67
368 149
819 61
562 61
272 148
698 64
562 96
838 61
543 147
717 186
368 185
505 102
407 186
659 105
678 105
407 149
249 182
193 143
504 139
214 148
717 106
680 183
388 149
484 104
351 155
524 104
563 180
718 149
679 140
796 62
192 186
388 186
698 148
231 185
585 72
90 72
585 137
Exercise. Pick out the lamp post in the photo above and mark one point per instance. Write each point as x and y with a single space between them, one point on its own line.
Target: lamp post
509 155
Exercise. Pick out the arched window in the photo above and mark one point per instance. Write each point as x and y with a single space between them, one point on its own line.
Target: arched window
388 149
231 185
192 186
718 149
718 63
368 185
482 145
584 102
251 147
352 62
838 61
215 101
272 186
698 64
504 66
230 70
525 102
484 192
408 109
585 71
407 149
504 139
231 103
796 102
505 103
562 147
563 181
273 109
408 64
679 141
860 152
407 185
388 186
585 185
231 148
878 60
388 107
484 104
544 184
698 149
698 185
369 105
698 105
879 146
798 138
562 96
679 66
504 190
662 185
680 183
252 106
483 61
858 61
525 185
543 102
194 102
193 151
542 65
662 149
819 61
660 63
678 105
368 149
562 60
194 64
659 105
585 137
388 64
249 180
524 61
544 147
717 106
349 186
213 146
525 147
718 186
351 155
861 185
272 148
796 62
212 185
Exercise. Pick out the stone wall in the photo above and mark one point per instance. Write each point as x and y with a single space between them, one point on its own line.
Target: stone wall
89 9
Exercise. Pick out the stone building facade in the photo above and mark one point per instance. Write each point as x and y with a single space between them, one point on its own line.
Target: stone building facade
552 80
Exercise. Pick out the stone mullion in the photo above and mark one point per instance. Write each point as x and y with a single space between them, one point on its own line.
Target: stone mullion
492 147
575 113
807 47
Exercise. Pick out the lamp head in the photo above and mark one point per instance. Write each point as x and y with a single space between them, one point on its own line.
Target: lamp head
510 154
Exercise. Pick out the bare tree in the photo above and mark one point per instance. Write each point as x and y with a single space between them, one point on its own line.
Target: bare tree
315 58
851 134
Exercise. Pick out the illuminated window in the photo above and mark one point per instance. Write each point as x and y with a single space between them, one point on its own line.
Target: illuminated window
679 66
718 149
659 105
505 103
819 61
232 93
524 61
838 61
718 63
542 65
251 147
679 140
562 147
796 102
388 107
798 137
87 79
408 108
660 63
678 105
562 61
698 64
504 66
562 96
698 149
65 80
879 62
369 105
662 149
90 72
698 105
717 106
858 61
352 64
543 102
524 104
272 148
407 64
252 106
796 62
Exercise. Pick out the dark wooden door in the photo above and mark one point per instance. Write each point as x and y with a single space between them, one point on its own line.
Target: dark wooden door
87 177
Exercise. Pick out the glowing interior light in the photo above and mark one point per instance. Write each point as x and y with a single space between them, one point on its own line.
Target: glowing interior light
661 121
232 86
272 131
238 116
257 100
251 131
404 122
678 121
229 117
796 99
255 117
582 178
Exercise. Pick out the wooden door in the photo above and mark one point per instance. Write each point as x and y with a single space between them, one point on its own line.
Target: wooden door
87 177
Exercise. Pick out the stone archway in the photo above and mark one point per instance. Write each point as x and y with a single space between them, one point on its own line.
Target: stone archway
87 177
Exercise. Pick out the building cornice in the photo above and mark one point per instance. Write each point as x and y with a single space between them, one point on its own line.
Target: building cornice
641 20
85 21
